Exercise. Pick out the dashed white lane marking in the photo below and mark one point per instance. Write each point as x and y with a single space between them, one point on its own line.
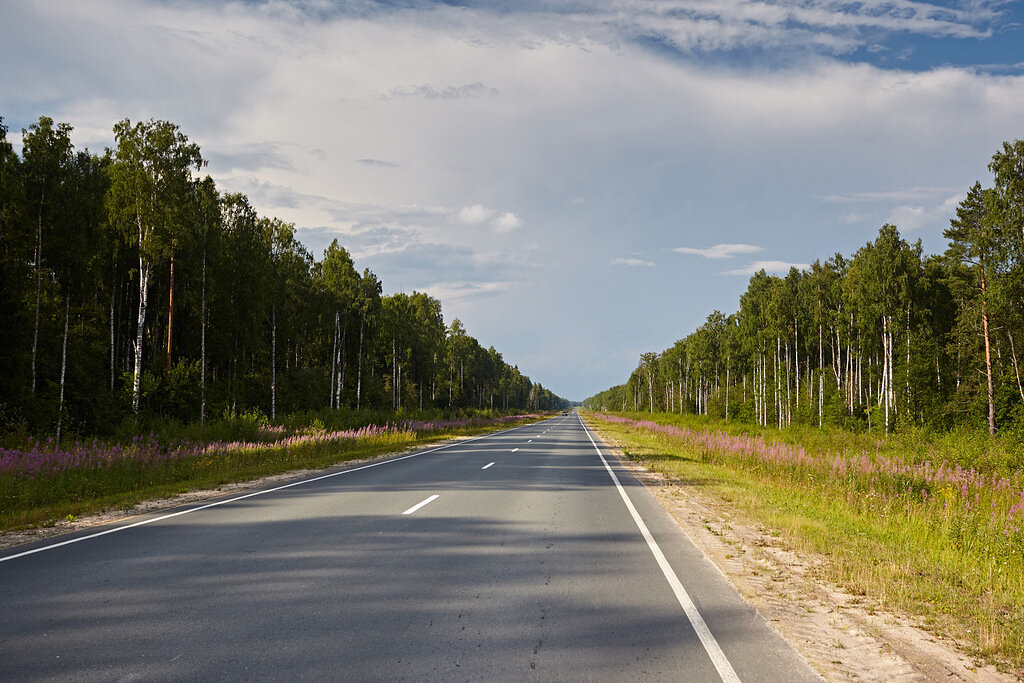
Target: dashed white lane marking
420 504
262 492
487 465
514 450
711 646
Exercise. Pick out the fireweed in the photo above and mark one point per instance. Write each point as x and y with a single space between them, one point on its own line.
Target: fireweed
914 533
966 506
44 475
43 458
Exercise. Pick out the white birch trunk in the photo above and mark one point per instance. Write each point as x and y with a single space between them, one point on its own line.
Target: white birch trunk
113 361
334 364
1013 357
273 363
39 286
359 371
140 331
202 347
63 366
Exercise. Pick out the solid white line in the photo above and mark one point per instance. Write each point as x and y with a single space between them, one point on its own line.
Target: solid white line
249 495
487 465
420 504
718 658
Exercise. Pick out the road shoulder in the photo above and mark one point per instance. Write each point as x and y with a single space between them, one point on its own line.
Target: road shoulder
841 638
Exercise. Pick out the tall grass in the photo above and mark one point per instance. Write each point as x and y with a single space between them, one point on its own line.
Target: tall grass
934 527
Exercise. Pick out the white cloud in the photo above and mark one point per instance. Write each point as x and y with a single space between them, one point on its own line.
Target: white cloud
506 222
631 262
475 215
767 266
376 126
913 217
451 92
902 194
720 250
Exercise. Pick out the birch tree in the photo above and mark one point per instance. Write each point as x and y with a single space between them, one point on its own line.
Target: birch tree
150 179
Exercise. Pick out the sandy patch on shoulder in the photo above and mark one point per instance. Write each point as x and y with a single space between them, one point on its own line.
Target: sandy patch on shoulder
839 638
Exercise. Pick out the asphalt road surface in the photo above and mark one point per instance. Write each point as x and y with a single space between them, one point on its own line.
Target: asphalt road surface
520 555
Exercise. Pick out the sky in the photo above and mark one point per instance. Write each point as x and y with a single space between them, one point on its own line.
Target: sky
579 182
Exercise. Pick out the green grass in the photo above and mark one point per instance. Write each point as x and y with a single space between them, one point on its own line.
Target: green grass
950 558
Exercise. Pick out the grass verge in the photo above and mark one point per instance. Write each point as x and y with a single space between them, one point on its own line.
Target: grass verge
42 485
906 530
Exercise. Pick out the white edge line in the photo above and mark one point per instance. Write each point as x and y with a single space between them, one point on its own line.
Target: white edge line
420 504
249 495
487 465
711 646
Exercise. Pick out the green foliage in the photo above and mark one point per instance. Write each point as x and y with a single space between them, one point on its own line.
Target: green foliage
181 303
888 340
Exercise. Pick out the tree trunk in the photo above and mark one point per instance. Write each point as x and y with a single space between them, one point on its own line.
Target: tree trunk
1016 370
359 376
778 385
140 331
988 353
341 360
727 390
39 286
796 357
170 311
650 389
885 369
113 361
63 365
334 362
273 363
908 360
821 377
202 347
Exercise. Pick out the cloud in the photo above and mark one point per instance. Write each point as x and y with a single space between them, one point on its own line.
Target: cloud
826 26
506 222
720 250
461 292
376 162
902 194
767 266
383 123
475 214
451 92
913 217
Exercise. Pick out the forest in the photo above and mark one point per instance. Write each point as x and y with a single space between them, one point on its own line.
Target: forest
133 290
886 339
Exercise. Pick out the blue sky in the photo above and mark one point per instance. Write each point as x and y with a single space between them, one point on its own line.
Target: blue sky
578 182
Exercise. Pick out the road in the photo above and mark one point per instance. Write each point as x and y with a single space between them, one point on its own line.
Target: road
513 556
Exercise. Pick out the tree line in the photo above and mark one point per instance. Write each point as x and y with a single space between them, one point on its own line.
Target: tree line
887 338
130 285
